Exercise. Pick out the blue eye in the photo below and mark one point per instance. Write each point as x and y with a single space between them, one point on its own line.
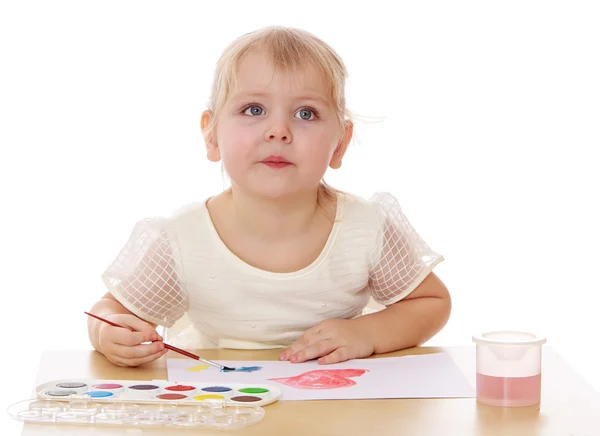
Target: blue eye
254 110
306 114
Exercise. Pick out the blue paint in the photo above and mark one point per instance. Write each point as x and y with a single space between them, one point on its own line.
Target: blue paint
217 389
99 394
244 369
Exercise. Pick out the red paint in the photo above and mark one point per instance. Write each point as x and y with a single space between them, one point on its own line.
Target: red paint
322 379
180 388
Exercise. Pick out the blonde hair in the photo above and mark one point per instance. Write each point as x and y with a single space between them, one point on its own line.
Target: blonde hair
289 49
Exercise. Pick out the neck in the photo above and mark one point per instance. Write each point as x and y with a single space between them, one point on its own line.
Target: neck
273 218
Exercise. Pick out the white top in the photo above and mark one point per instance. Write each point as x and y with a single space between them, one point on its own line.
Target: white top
178 269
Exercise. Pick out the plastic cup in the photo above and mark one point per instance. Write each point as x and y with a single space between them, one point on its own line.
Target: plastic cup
509 368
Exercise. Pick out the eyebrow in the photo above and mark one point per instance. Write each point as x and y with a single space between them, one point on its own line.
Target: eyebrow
313 97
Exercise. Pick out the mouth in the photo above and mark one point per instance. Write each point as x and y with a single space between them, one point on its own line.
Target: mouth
276 162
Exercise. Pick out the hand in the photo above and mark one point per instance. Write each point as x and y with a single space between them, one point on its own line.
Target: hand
124 347
332 341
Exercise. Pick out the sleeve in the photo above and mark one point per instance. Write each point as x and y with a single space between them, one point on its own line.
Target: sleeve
147 275
401 259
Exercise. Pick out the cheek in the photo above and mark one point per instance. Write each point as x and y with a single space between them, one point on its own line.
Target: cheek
235 156
320 146
235 144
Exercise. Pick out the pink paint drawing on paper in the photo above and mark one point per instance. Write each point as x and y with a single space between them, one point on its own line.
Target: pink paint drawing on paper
322 379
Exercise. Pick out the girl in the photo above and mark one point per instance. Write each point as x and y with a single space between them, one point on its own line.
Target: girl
279 260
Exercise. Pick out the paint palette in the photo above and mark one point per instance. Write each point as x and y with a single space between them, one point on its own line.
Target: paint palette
159 391
156 403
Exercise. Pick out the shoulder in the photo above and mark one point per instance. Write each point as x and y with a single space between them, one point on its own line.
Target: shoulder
188 214
377 207
188 210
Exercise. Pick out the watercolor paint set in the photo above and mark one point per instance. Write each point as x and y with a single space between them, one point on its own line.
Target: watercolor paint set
156 403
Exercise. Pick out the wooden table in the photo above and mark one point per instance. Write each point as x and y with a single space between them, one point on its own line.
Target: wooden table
569 405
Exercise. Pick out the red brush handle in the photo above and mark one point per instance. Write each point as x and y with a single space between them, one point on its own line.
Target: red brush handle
170 347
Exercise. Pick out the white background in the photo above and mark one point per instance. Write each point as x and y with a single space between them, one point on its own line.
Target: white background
481 117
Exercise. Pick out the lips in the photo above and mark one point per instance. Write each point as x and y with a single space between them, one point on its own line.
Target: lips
275 161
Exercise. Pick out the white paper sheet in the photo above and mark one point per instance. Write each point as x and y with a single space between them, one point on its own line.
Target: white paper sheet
422 376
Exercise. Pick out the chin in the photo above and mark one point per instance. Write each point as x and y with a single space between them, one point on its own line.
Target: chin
273 187
273 191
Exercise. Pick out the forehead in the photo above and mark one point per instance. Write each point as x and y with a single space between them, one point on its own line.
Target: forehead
257 74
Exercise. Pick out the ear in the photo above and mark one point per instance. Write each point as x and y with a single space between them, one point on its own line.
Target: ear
340 150
212 151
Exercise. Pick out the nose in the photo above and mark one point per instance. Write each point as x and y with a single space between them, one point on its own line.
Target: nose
279 131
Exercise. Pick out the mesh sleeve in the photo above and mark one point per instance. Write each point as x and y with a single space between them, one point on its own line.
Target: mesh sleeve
147 276
401 259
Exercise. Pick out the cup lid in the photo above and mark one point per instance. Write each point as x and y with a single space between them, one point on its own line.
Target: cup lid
509 337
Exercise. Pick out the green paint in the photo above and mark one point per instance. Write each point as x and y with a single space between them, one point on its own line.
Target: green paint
254 390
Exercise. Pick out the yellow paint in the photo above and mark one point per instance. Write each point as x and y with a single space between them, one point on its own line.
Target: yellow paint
208 397
197 368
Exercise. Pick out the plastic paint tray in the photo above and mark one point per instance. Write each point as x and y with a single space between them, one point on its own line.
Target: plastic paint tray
156 403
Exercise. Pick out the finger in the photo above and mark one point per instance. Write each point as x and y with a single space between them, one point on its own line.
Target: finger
136 324
301 342
128 338
309 338
340 354
137 351
138 361
285 354
319 349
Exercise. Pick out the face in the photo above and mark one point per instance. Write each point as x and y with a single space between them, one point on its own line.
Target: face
278 131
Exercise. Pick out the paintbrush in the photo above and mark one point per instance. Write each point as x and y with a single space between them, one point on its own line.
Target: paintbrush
170 347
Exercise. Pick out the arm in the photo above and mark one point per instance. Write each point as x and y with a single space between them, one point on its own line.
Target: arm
105 308
411 321
402 258
134 345
146 288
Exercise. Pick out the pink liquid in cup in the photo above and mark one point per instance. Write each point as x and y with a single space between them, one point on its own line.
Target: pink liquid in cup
509 391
